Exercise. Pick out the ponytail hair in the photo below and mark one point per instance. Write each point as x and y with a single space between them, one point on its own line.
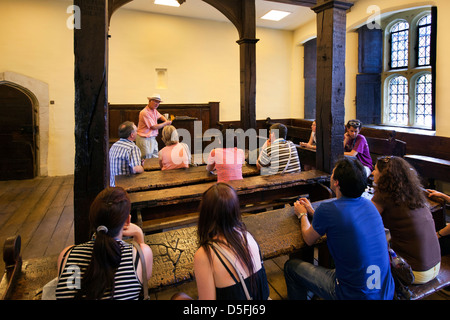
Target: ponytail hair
108 213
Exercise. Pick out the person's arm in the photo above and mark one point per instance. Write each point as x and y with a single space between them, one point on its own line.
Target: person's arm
310 143
434 193
135 160
443 232
302 208
211 164
204 276
164 123
134 231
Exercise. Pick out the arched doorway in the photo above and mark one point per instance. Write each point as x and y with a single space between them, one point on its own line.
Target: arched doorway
17 135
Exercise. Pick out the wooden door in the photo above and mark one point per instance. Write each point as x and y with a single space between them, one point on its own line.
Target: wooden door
17 135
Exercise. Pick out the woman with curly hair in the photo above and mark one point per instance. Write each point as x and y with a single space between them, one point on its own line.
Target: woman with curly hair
220 224
401 201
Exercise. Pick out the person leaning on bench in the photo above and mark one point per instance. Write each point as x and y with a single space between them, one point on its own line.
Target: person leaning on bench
355 144
124 155
106 264
356 240
227 160
278 155
400 199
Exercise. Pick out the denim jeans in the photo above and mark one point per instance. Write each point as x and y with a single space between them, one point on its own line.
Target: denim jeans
302 277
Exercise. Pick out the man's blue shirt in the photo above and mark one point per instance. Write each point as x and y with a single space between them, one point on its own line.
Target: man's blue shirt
357 242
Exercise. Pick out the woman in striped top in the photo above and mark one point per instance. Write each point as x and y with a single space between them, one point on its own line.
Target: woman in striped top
105 267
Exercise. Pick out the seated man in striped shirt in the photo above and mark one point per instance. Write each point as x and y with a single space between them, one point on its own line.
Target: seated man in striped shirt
124 155
278 155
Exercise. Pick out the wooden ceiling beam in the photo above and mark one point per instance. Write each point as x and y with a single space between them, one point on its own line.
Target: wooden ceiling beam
303 3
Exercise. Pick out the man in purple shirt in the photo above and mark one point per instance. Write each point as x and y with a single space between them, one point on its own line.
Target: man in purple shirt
355 145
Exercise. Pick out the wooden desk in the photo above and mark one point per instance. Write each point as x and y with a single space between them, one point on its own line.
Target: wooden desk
158 179
152 164
169 202
277 233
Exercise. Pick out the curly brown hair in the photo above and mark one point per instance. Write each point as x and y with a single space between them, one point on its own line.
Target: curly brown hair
400 182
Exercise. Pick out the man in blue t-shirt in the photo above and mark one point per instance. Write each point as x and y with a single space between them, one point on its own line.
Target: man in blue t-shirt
356 240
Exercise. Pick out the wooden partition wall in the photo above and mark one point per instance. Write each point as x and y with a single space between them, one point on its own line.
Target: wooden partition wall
185 116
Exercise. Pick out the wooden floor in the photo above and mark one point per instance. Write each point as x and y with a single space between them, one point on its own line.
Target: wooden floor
41 212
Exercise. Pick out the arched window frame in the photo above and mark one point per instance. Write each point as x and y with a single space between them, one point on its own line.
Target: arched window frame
412 72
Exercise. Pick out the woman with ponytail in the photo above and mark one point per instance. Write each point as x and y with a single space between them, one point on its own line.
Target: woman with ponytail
105 267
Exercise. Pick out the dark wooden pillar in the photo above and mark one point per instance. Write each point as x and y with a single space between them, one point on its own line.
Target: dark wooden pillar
330 109
248 82
91 135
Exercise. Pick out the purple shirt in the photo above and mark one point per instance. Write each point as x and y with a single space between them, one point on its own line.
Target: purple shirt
360 145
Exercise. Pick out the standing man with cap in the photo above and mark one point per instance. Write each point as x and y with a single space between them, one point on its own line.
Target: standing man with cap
148 127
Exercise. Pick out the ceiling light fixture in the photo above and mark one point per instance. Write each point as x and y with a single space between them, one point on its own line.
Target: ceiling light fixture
171 3
275 15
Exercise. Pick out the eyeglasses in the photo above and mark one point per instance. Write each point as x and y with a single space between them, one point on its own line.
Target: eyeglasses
354 123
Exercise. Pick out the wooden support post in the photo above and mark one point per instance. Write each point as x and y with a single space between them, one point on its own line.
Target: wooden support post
91 102
330 109
248 82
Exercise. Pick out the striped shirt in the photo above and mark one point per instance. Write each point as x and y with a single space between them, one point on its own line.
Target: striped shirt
124 155
277 156
127 284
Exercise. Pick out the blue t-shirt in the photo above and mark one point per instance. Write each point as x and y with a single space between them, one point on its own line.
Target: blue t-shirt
357 242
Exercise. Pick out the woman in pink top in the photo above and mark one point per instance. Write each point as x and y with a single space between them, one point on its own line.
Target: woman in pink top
227 161
174 155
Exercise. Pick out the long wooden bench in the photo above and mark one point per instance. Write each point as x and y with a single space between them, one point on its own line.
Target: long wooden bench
385 147
181 203
430 168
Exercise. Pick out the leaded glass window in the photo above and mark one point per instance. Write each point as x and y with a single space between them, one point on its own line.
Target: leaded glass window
398 100
399 45
424 100
424 41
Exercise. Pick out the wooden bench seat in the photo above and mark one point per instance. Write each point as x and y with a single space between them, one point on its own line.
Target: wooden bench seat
430 168
442 280
183 200
385 147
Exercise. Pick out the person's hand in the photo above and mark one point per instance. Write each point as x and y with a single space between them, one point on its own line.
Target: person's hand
305 203
434 193
133 230
299 208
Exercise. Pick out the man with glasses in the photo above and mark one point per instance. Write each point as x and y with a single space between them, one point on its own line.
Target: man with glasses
355 145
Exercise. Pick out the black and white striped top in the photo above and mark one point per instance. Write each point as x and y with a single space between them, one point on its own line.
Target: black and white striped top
277 157
127 284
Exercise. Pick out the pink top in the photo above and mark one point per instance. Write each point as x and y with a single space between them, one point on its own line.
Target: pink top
148 118
175 156
228 163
